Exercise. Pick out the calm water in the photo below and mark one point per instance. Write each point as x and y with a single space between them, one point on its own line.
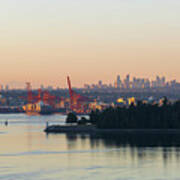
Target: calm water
26 152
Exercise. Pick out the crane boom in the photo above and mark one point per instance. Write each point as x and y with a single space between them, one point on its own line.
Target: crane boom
70 92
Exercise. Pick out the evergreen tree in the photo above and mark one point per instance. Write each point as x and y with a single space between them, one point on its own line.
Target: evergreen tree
71 118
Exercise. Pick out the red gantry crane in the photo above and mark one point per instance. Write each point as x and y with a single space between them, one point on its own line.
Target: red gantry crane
78 103
46 97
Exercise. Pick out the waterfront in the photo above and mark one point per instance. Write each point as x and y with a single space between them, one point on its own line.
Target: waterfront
28 153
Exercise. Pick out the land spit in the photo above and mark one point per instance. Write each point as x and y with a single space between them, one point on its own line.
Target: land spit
92 129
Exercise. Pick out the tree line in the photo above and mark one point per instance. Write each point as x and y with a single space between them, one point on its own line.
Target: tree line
140 116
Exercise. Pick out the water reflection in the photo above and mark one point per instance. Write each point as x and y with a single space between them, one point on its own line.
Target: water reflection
138 146
109 140
28 150
139 140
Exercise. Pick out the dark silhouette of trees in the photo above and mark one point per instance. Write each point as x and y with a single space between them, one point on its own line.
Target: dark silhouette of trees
71 118
83 121
94 116
141 116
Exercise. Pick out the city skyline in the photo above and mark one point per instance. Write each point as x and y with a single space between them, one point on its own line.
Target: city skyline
133 82
62 83
119 81
44 41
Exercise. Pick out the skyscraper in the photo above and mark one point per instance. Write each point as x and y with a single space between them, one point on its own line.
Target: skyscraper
127 81
118 81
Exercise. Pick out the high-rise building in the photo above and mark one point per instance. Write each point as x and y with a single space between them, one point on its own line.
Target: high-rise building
100 84
118 81
127 82
1 87
6 88
42 87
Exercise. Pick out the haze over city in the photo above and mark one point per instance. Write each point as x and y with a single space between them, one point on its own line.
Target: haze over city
44 41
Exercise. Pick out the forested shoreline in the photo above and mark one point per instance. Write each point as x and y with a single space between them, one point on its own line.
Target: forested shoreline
140 116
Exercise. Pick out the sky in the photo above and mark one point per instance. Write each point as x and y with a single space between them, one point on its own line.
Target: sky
43 41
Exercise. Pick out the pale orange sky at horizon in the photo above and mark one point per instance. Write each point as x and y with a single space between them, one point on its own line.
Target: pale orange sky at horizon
44 41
